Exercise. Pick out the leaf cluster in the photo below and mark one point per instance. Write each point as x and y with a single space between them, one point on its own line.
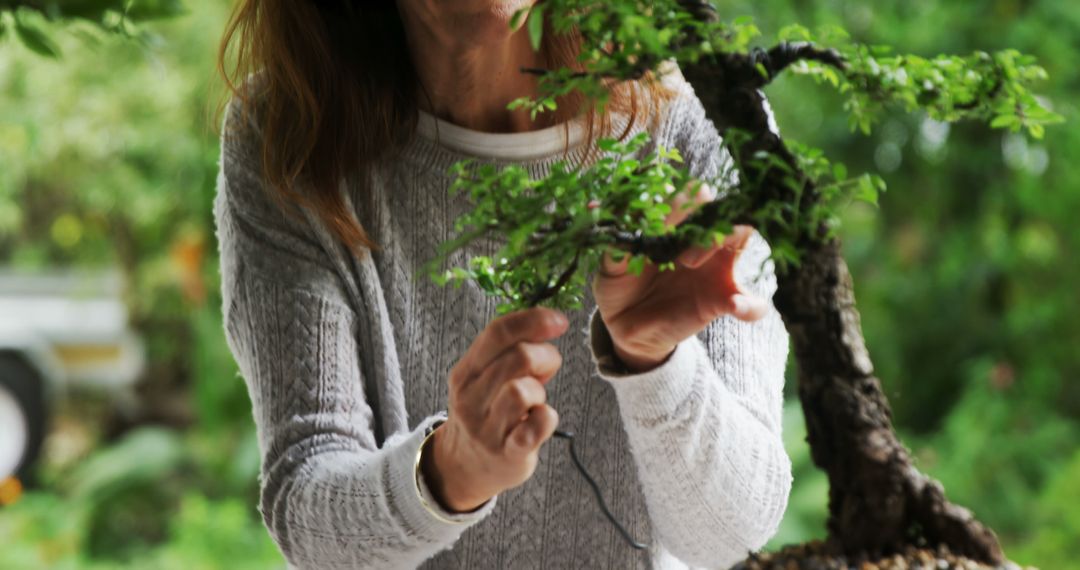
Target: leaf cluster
628 40
988 87
623 40
556 228
29 19
834 189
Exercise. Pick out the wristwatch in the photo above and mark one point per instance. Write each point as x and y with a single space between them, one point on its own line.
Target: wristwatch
423 491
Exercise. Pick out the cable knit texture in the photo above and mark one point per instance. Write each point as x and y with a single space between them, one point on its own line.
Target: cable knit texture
346 360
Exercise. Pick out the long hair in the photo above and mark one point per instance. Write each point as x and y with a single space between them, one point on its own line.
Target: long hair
338 92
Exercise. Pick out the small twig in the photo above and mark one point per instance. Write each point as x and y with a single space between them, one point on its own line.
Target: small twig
701 10
547 292
785 54
992 93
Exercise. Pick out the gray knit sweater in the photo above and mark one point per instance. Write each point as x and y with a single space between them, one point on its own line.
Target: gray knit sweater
346 361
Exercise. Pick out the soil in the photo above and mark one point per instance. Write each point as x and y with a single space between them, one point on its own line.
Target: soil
817 556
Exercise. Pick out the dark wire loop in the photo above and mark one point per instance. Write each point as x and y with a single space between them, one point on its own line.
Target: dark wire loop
569 436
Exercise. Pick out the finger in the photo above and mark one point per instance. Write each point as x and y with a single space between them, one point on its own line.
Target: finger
733 244
611 268
685 205
695 256
736 242
741 305
527 325
730 249
682 205
513 400
531 433
539 360
724 264
686 202
748 307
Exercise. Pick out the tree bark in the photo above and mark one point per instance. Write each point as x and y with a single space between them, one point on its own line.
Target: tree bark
878 501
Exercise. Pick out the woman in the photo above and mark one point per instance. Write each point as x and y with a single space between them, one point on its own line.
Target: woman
400 425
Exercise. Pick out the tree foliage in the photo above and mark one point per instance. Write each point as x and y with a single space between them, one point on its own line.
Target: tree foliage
551 249
964 274
991 87
29 18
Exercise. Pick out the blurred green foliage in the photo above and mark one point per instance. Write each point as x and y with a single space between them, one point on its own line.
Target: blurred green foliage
964 275
964 279
108 157
29 18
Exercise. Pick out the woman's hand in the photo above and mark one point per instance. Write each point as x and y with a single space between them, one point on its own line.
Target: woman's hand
648 315
498 416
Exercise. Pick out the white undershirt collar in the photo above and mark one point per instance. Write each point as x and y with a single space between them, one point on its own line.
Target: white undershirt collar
522 146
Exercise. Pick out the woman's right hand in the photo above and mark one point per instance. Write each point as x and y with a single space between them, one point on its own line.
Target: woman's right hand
498 416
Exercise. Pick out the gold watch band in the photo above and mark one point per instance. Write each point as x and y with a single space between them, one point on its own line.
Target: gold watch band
428 432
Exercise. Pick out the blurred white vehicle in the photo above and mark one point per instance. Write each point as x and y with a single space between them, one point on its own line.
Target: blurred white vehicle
57 330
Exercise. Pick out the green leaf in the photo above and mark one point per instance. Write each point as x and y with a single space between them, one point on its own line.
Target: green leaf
607 145
516 19
867 190
536 26
35 39
794 32
142 10
1003 121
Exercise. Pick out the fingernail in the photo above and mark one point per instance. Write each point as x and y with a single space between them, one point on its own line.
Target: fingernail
694 257
710 191
747 307
556 318
740 304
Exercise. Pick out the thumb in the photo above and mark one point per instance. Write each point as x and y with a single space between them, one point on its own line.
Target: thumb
748 307
611 268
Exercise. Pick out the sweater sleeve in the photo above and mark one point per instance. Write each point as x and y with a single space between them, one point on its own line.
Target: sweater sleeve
704 426
329 495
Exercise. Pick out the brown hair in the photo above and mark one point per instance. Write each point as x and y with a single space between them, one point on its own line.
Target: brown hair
337 92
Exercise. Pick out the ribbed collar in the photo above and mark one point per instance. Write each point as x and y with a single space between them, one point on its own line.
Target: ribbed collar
438 144
519 147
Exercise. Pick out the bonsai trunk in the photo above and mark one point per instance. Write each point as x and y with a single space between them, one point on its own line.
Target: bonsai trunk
878 501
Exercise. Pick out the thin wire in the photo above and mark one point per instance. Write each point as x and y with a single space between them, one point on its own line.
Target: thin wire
569 436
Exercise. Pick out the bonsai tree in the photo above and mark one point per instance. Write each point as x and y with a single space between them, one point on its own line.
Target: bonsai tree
557 229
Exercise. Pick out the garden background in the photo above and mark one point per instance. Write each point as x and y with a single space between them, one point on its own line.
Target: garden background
965 275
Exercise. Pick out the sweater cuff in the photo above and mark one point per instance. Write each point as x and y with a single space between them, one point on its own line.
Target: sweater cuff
654 393
410 491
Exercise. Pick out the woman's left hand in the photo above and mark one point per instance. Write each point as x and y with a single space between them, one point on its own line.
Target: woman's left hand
647 315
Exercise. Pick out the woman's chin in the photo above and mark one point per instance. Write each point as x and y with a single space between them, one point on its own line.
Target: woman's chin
506 9
491 22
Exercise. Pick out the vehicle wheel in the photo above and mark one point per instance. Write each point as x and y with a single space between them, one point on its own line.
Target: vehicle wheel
22 416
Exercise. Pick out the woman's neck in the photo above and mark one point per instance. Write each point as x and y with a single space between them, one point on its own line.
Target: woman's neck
468 79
